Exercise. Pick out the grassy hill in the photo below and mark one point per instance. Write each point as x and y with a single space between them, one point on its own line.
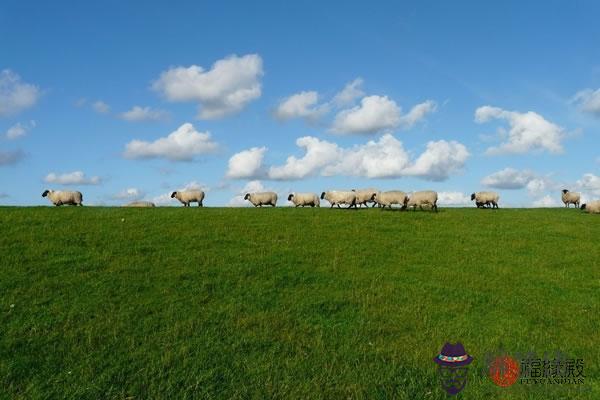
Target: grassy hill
289 303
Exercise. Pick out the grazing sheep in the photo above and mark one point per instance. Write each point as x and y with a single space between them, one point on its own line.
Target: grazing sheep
483 199
386 199
262 198
190 196
364 196
304 199
140 204
570 198
427 197
339 197
59 198
593 207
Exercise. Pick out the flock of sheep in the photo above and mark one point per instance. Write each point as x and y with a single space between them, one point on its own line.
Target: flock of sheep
353 198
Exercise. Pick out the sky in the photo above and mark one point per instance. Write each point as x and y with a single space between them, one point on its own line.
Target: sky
129 101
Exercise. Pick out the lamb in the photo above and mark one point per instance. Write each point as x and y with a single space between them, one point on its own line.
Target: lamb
427 197
59 198
485 198
386 199
262 198
140 204
189 196
592 207
364 196
570 198
304 199
340 197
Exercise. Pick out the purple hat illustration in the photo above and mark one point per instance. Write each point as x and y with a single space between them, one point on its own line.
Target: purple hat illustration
453 355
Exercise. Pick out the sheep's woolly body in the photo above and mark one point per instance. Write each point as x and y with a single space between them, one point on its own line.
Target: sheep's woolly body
140 204
262 198
59 198
386 199
364 196
304 199
340 197
570 198
190 196
593 207
424 198
486 198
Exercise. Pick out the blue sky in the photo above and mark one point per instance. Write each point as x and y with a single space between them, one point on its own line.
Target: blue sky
454 97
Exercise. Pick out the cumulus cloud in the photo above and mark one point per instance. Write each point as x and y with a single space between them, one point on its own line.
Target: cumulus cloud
129 194
529 131
546 201
19 130
300 105
454 199
16 95
351 92
588 101
589 183
101 107
11 157
246 164
138 113
225 89
384 158
181 145
509 178
72 178
378 113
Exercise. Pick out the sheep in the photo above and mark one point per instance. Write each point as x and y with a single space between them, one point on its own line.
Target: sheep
570 198
140 204
262 198
483 199
189 196
364 196
340 197
304 199
386 199
427 197
592 207
59 198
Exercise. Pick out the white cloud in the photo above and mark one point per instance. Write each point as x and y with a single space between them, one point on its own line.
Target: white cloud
300 105
181 145
246 164
11 157
454 199
19 130
546 201
385 158
226 88
129 194
589 183
250 187
529 131
509 178
15 95
138 113
101 107
351 92
72 178
379 113
588 101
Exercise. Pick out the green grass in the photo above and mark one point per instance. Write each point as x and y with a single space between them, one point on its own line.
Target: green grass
289 303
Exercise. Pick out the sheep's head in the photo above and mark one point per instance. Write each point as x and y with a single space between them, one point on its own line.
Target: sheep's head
322 195
565 191
290 196
45 193
472 196
173 194
373 196
583 206
247 196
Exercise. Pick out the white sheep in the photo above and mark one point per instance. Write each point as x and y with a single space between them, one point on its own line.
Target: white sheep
593 207
424 198
483 199
364 196
339 197
59 198
140 204
262 198
304 199
570 198
386 199
189 196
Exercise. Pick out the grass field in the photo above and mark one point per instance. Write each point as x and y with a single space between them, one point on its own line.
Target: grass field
289 303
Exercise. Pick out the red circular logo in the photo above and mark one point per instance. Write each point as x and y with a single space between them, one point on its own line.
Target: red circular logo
504 371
